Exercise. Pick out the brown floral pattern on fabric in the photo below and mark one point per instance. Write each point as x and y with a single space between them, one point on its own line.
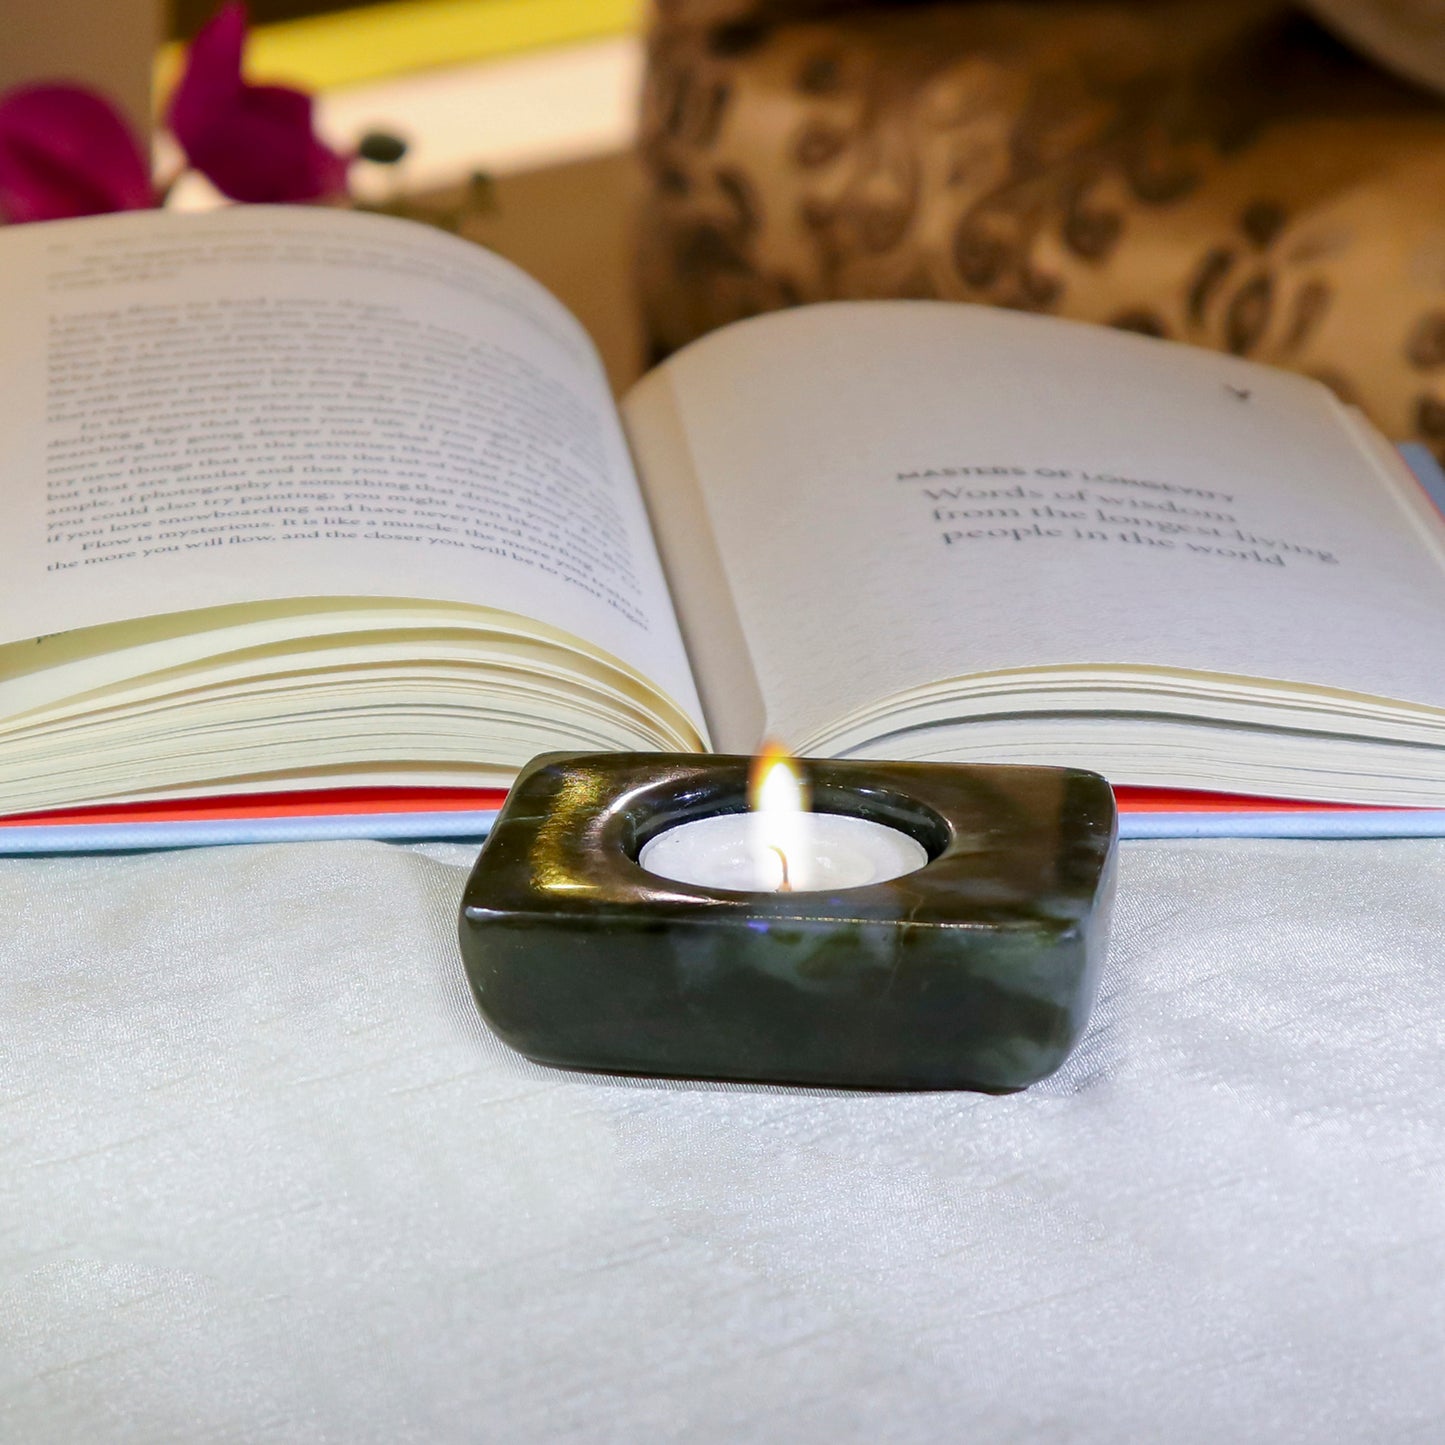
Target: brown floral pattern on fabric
1223 174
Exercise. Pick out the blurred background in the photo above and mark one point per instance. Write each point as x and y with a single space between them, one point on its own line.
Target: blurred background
519 116
1260 176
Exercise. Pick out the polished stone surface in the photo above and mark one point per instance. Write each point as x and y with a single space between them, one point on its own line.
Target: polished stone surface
976 971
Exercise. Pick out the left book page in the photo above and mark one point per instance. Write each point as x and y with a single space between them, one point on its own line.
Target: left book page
228 420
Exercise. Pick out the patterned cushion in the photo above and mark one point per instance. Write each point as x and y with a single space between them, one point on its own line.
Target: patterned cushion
1406 35
1219 171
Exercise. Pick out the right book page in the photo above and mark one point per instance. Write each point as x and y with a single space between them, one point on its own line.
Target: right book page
935 519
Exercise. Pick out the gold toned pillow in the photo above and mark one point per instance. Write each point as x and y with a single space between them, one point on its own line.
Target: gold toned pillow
1221 173
731 12
1406 35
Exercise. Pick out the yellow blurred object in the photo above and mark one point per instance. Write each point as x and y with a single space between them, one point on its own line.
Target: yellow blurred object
380 41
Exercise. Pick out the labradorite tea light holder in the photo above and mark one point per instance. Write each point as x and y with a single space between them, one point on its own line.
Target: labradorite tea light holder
977 970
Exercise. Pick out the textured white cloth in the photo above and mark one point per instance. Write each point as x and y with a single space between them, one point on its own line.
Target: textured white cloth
264 1175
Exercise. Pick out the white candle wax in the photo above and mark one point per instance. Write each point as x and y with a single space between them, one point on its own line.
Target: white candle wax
824 851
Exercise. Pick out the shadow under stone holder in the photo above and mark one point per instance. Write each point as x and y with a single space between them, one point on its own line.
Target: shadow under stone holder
977 970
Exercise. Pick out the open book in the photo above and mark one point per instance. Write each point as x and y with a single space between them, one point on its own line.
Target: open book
298 499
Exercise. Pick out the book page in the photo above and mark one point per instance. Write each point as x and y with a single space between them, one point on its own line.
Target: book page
721 662
268 402
901 493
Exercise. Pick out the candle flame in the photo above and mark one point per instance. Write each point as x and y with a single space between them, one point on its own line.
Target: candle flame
778 797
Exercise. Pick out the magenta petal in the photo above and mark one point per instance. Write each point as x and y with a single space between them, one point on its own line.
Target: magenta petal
212 79
265 150
66 151
280 105
328 170
252 142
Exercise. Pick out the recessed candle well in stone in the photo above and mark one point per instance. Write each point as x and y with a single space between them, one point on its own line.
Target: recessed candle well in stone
977 969
779 844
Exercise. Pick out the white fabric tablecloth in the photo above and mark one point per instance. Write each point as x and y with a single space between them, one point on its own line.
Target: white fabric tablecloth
264 1175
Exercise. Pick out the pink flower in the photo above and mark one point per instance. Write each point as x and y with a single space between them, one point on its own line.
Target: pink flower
65 151
253 142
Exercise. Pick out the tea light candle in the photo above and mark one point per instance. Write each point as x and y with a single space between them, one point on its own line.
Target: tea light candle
825 851
781 847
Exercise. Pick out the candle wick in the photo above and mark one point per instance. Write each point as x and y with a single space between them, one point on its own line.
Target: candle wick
785 886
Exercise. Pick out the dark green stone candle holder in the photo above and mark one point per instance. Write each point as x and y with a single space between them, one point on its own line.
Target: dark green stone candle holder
978 970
